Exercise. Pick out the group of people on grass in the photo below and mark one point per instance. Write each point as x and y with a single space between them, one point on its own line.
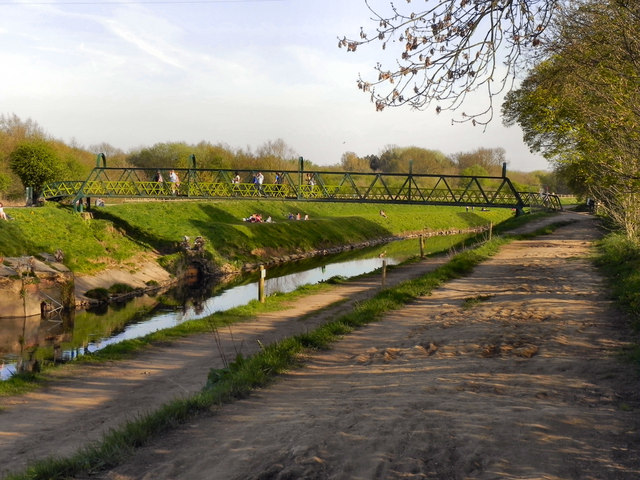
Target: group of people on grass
257 218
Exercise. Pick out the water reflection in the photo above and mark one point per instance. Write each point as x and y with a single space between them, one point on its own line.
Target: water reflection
289 283
32 340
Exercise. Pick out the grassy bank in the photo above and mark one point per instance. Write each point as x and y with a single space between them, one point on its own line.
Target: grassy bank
119 233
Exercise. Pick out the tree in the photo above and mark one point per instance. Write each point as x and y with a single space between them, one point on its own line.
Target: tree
350 162
473 171
490 159
162 155
213 156
448 49
276 155
5 182
115 156
396 159
426 161
390 161
36 163
580 106
13 131
19 129
374 162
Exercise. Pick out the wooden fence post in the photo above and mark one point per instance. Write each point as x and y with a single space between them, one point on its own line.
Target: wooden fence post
384 272
263 274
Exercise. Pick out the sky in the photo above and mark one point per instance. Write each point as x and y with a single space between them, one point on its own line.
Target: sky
235 72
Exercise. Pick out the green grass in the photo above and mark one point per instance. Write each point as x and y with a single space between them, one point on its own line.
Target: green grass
88 246
245 374
118 233
619 260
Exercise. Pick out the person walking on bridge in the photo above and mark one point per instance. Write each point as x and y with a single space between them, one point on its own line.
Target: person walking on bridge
259 182
175 182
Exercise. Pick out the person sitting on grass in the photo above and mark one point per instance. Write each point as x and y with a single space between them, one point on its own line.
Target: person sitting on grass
254 218
3 215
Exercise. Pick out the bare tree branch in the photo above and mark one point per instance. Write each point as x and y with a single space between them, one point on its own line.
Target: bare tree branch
449 49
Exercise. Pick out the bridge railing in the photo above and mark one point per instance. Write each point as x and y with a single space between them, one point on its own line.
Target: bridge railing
334 186
62 189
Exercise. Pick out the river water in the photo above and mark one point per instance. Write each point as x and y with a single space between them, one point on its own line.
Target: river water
24 341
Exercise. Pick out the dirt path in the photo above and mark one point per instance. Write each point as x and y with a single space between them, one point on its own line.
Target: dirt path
83 402
522 383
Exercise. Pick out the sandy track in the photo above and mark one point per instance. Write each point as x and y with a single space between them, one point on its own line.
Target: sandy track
522 383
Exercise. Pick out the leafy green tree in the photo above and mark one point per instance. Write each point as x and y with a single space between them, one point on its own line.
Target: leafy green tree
396 159
390 161
214 156
71 168
36 163
14 131
374 162
579 107
474 171
490 159
423 161
162 155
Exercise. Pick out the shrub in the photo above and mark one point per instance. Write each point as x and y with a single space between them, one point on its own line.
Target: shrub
101 294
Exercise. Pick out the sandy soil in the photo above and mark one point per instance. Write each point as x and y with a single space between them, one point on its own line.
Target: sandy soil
520 383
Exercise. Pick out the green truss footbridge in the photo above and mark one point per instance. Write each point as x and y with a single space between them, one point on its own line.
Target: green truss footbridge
319 186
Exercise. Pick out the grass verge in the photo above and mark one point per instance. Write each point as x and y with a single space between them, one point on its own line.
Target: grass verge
619 260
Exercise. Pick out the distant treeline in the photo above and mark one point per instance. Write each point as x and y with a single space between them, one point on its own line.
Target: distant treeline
31 157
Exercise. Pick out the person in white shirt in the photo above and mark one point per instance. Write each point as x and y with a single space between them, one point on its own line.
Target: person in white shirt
175 182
